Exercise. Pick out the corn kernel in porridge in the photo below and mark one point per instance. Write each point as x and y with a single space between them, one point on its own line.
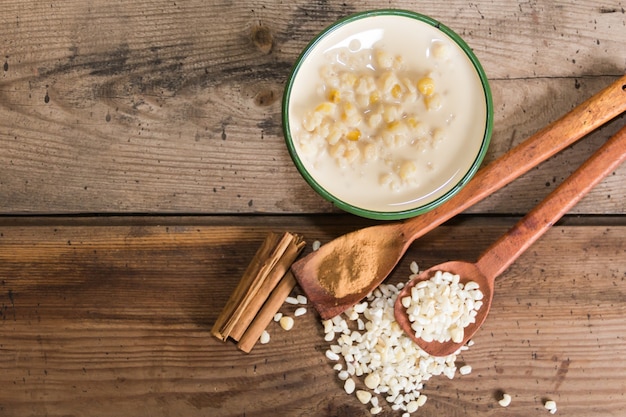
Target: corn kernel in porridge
335 134
396 91
353 135
374 98
352 154
325 108
347 79
388 80
337 150
334 96
370 152
374 120
433 102
441 51
365 85
407 170
426 86
384 59
391 113
386 179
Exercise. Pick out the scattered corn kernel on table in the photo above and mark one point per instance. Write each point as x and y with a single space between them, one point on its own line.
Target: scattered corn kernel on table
143 163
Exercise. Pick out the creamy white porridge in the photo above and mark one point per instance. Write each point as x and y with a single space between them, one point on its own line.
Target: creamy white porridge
390 118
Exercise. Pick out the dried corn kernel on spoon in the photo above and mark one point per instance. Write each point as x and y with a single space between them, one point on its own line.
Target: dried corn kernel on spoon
345 270
499 256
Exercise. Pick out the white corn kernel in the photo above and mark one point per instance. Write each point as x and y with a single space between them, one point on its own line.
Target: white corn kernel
372 381
360 308
349 385
472 285
412 406
407 170
363 396
370 152
328 326
384 59
433 102
550 405
332 355
286 322
465 370
441 51
505 401
265 337
299 312
291 300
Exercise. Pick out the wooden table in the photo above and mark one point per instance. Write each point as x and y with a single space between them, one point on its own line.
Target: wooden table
142 164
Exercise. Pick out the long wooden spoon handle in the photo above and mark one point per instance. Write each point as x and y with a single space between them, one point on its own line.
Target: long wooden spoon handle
583 119
513 243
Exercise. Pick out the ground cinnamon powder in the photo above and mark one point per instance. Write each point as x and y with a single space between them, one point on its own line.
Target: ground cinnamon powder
349 269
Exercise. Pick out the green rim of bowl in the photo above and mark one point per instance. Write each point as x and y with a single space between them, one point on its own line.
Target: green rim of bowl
401 214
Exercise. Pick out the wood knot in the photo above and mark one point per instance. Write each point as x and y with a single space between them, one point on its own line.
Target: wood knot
265 98
262 38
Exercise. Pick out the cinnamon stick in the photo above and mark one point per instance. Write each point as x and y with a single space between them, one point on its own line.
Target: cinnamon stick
281 259
267 312
219 329
269 265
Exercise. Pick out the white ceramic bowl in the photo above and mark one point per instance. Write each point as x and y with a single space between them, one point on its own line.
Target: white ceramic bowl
414 172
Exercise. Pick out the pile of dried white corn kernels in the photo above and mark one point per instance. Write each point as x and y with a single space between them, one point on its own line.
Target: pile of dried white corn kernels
442 307
369 343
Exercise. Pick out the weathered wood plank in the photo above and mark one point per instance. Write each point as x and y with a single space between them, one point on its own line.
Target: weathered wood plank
160 107
173 108
118 318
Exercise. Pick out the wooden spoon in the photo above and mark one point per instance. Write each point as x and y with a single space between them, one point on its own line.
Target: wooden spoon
346 269
511 245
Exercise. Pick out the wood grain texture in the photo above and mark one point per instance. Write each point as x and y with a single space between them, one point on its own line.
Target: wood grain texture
170 107
142 163
117 319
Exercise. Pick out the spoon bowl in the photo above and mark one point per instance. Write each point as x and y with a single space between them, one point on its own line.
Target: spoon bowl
348 278
500 255
468 272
